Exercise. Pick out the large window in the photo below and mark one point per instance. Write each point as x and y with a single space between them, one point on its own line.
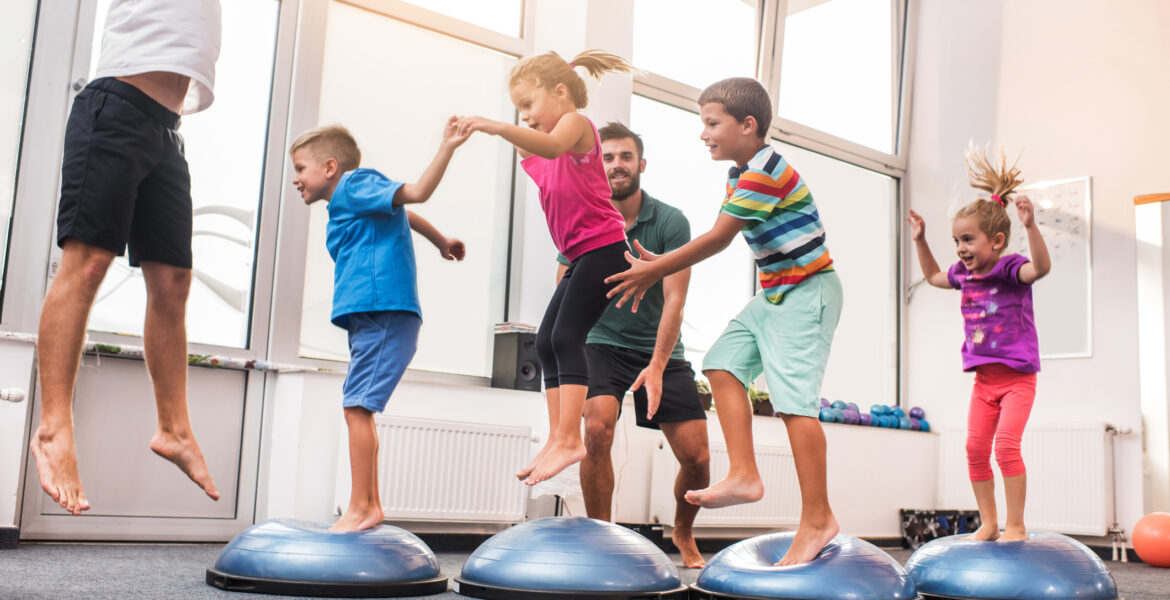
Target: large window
680 172
225 150
696 42
838 69
396 102
859 211
503 16
16 34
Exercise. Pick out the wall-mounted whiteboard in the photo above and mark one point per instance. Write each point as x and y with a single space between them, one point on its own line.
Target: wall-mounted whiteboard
1063 299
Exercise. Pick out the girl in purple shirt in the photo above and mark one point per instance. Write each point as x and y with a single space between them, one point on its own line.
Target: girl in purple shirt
1001 344
561 152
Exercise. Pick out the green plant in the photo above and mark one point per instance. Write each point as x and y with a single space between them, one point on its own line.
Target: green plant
758 396
702 386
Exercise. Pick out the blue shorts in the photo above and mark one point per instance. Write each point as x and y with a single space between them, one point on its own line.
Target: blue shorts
381 345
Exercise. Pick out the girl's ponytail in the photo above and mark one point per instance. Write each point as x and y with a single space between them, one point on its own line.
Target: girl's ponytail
549 70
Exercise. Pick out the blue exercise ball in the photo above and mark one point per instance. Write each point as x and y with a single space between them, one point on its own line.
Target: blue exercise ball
838 404
877 409
1047 565
838 415
827 415
569 556
847 568
302 558
897 412
923 425
903 422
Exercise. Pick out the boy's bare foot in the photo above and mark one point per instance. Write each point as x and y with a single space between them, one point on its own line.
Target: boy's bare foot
808 542
359 518
985 533
1013 534
186 455
728 492
559 458
684 540
524 473
57 469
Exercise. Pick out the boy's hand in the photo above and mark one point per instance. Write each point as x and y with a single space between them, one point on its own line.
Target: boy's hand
452 249
633 282
1026 211
917 227
452 138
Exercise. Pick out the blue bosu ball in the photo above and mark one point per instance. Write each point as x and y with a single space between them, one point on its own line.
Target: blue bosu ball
847 568
569 557
301 558
827 415
1048 565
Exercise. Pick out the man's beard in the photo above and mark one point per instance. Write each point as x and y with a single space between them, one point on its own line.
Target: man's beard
632 185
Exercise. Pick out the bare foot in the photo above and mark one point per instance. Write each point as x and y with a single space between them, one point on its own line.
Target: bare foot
808 542
985 533
186 455
523 474
728 492
57 469
684 540
358 518
1014 534
559 457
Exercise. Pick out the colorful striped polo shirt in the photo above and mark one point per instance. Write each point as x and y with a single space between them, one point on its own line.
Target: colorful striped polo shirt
788 240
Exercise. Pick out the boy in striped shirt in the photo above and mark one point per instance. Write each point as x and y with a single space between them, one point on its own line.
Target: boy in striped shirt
786 331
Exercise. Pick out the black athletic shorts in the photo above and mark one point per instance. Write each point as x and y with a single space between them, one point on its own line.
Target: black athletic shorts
613 369
124 179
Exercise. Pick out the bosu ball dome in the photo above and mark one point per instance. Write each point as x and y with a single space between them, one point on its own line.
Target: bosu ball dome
287 556
569 557
847 568
1047 565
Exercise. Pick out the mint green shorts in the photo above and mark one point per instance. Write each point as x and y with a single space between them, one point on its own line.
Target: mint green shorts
788 342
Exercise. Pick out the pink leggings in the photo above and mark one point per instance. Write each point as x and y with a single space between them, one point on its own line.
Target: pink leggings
1000 404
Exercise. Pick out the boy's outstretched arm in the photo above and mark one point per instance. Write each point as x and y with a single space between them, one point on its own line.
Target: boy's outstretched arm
569 131
1041 263
934 276
449 248
422 189
642 274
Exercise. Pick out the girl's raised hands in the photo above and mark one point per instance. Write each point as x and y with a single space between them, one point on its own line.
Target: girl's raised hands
917 227
1026 211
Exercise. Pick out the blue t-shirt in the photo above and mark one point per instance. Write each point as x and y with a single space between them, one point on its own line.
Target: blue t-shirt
369 238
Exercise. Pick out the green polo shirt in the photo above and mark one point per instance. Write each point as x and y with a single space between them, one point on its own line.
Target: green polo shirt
660 228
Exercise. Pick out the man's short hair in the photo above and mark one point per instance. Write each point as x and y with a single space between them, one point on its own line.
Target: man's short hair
741 97
330 141
616 131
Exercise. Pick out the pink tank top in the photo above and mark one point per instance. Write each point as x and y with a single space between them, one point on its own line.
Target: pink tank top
574 194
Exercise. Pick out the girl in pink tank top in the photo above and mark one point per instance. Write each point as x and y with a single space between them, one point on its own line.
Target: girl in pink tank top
560 150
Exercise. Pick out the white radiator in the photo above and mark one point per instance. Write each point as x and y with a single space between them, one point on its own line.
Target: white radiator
780 506
445 471
1070 470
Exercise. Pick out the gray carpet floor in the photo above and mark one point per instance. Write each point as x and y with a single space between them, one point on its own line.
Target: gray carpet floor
46 571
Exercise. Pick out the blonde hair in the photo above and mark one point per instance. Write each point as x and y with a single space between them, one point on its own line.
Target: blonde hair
1000 182
549 70
330 141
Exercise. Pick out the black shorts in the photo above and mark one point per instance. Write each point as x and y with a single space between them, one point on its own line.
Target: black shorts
124 179
613 369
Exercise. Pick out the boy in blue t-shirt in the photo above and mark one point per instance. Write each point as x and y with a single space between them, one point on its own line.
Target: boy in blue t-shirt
375 293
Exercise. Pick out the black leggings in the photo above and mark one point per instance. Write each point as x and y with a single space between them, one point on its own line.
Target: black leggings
575 307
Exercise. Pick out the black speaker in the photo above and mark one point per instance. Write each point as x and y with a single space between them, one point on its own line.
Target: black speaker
515 365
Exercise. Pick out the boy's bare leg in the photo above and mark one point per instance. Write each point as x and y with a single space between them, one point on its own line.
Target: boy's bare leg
568 447
365 507
164 340
1015 491
688 441
552 398
742 484
985 498
601 415
817 523
61 337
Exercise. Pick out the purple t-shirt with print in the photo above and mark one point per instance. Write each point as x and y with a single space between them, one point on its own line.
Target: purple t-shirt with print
997 316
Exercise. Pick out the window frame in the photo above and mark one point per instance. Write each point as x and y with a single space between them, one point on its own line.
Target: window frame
303 110
771 16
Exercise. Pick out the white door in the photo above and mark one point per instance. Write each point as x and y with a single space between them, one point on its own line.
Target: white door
235 173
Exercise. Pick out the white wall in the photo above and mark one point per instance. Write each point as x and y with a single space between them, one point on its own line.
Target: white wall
1081 88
